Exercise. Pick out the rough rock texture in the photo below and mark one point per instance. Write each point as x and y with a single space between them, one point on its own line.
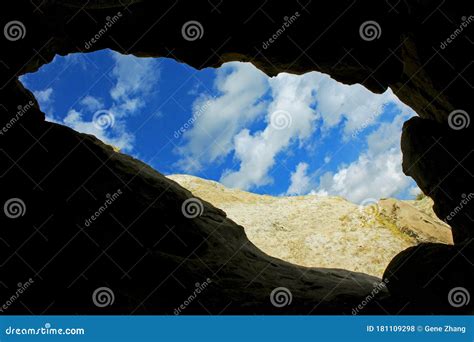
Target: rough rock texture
440 159
415 219
44 164
447 290
141 246
325 231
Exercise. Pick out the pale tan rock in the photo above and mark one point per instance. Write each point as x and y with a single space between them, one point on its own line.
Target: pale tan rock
325 231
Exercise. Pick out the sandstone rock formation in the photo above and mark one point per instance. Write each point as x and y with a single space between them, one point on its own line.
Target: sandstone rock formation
141 246
324 231
134 249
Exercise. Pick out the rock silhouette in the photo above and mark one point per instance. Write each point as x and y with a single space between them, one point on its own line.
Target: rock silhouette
142 247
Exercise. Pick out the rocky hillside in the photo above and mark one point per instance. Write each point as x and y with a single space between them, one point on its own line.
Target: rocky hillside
324 231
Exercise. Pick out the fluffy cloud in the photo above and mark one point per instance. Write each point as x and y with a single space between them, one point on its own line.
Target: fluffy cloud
297 107
44 96
219 119
133 76
134 80
92 103
376 173
415 191
300 181
116 135
289 118
354 105
45 100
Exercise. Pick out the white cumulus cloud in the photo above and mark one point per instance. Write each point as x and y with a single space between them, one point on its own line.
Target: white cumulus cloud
92 103
45 100
117 135
376 173
297 108
134 79
219 119
300 181
290 119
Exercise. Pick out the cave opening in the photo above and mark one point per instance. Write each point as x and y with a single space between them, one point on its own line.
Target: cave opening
310 167
142 248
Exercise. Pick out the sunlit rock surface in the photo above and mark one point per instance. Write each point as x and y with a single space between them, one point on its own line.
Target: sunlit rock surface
134 247
325 231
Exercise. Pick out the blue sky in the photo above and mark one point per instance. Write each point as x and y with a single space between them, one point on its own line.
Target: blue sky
284 135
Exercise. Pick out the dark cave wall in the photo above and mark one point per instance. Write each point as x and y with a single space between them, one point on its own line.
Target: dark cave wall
407 57
325 37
